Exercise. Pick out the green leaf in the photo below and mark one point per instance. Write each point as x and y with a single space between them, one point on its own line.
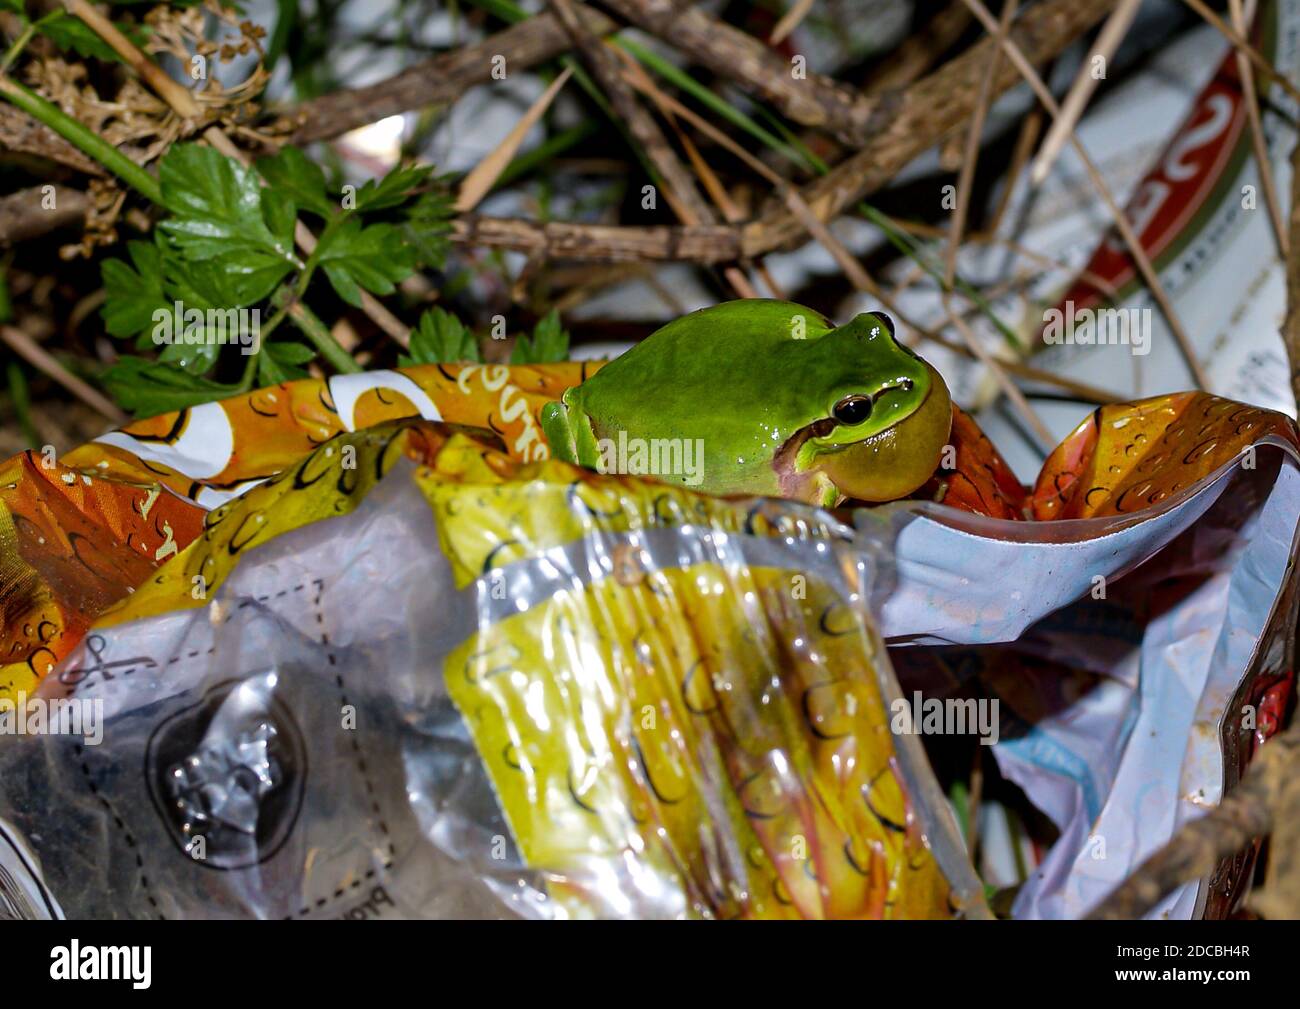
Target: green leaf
146 388
427 226
293 175
191 358
132 292
374 258
291 352
393 188
155 279
440 337
549 343
12 5
69 32
280 214
201 286
279 362
218 217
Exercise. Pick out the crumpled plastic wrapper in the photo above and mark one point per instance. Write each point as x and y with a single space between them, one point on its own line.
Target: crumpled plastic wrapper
482 690
399 671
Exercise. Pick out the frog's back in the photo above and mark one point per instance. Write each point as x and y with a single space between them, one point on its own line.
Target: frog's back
701 353
722 375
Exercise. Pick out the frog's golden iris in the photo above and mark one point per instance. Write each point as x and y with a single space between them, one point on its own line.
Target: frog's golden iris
782 403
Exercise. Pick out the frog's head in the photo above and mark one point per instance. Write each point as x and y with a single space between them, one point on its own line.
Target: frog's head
886 419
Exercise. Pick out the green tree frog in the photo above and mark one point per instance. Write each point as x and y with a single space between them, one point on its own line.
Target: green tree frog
762 397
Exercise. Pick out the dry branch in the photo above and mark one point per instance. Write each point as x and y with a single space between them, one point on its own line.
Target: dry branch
1291 328
439 80
812 100
42 360
22 215
907 123
689 206
599 242
1247 812
919 51
20 133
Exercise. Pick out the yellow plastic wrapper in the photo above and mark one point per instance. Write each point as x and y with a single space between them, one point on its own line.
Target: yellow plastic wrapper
707 731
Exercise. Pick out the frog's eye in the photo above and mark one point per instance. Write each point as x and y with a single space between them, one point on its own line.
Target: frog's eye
852 410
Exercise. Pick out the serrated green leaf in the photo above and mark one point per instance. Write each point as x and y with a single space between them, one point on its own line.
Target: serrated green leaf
549 342
427 226
194 335
217 208
279 362
156 279
373 258
393 188
132 291
428 245
440 337
292 174
146 388
200 286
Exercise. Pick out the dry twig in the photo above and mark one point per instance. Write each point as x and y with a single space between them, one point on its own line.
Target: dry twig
23 215
1247 812
1239 40
1085 83
681 192
810 99
790 21
1121 220
437 81
918 51
907 124
1258 145
974 134
478 182
42 360
20 133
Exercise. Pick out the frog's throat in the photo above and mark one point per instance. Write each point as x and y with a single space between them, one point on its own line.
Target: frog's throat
885 466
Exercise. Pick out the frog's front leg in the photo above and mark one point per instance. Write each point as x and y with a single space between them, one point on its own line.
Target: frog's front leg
568 431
